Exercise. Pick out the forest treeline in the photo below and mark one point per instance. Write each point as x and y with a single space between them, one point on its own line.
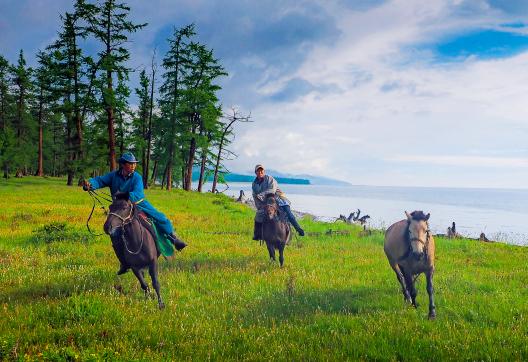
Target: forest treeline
70 115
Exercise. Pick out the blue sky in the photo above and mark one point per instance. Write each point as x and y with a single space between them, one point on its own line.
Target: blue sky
419 93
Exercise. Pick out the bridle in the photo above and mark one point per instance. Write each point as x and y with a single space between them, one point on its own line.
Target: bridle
413 238
424 243
126 221
274 208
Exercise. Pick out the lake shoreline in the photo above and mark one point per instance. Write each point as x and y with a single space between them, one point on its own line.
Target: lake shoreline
499 214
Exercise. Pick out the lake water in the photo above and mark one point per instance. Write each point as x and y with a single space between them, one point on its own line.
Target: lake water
502 214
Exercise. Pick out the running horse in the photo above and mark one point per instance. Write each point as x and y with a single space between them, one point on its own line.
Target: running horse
133 242
410 249
276 230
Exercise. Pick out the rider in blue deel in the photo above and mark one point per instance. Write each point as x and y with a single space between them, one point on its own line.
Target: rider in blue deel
126 180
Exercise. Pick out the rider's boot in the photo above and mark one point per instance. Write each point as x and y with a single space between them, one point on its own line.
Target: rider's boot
178 244
297 226
257 231
292 220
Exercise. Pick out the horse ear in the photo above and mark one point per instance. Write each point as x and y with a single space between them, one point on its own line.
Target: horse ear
427 216
121 195
408 216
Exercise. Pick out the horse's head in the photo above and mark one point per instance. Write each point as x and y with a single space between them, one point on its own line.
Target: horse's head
270 207
418 232
121 213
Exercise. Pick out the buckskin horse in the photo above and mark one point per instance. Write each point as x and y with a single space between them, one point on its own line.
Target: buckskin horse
276 230
410 249
133 242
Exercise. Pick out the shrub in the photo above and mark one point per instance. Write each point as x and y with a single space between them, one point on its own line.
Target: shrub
60 231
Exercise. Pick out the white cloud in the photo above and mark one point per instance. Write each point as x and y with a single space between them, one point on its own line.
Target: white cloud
467 161
405 105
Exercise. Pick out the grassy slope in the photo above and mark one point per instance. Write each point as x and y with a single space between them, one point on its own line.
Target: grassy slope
335 298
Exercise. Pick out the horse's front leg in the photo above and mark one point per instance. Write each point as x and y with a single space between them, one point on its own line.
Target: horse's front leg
410 287
401 280
153 271
281 253
430 291
139 275
271 250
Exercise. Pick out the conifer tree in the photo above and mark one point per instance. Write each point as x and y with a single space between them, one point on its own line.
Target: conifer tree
23 123
7 136
109 24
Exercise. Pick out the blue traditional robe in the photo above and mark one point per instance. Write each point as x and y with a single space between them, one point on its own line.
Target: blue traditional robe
133 184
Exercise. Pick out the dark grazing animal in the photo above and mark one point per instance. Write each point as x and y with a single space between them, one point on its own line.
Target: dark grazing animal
410 249
363 219
276 230
133 243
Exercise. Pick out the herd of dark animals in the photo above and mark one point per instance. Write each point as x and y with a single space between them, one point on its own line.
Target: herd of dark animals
409 245
354 218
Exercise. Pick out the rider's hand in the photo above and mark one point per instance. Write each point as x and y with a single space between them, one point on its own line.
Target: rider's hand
260 197
86 185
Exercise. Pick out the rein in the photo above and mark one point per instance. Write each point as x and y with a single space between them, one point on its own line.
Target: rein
97 198
126 221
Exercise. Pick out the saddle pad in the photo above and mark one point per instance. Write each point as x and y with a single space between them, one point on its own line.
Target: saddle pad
163 244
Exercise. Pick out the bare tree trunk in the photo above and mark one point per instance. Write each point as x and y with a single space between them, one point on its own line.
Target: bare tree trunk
154 172
190 162
165 177
40 168
149 130
202 171
111 131
215 177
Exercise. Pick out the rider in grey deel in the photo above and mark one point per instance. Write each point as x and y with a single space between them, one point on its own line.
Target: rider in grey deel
262 186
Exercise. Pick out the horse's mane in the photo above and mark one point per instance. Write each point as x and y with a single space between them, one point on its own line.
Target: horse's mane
419 216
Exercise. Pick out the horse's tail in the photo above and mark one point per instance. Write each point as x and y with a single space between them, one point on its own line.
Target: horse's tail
288 233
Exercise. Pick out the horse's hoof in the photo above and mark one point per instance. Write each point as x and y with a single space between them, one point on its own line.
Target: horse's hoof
161 305
432 315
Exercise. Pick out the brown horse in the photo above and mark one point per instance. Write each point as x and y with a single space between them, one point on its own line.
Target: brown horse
410 249
276 230
133 243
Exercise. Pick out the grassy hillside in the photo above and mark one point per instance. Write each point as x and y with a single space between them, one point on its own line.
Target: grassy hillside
336 297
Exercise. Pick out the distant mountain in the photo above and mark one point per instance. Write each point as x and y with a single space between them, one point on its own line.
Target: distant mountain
314 180
235 177
281 177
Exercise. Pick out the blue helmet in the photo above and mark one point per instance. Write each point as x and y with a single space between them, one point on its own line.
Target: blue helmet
127 157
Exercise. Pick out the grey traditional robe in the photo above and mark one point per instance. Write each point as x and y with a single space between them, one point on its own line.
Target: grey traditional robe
260 190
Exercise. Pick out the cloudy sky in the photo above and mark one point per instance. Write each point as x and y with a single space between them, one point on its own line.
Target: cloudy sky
403 92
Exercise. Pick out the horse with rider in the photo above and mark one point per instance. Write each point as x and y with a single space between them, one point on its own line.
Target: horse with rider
265 185
126 181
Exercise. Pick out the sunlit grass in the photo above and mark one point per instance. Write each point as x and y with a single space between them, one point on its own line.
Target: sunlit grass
335 298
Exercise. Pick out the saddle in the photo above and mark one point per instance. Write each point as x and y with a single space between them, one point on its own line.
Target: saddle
282 216
145 221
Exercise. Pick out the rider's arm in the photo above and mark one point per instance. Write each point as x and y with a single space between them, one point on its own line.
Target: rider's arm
271 187
136 193
101 181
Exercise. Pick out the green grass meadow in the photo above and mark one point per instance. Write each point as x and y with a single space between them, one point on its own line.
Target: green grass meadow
336 298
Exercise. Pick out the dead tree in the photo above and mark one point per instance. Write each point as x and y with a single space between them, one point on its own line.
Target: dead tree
224 139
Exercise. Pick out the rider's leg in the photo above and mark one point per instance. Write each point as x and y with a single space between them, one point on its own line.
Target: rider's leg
163 224
291 218
257 227
257 231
